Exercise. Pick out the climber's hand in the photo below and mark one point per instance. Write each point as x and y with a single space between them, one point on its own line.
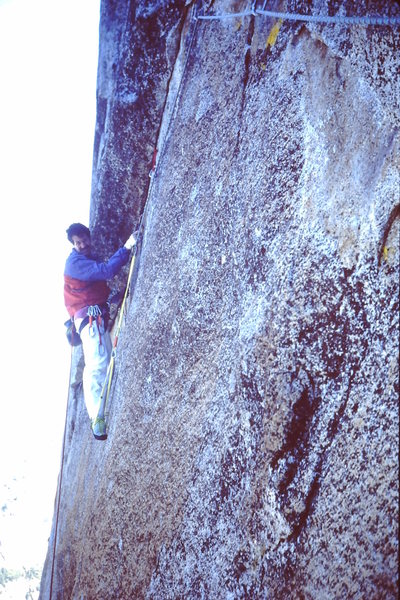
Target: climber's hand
130 242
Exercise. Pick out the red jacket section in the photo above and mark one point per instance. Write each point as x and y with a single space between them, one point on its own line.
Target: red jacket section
78 293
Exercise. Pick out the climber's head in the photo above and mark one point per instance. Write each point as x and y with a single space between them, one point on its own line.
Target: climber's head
79 236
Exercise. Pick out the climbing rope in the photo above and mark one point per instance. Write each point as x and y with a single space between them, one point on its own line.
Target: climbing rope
105 392
338 19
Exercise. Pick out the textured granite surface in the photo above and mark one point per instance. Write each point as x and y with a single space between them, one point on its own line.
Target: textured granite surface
253 426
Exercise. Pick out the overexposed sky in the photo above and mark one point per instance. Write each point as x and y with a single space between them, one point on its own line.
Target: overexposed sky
48 70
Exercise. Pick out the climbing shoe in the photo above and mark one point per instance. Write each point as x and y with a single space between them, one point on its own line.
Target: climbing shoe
99 428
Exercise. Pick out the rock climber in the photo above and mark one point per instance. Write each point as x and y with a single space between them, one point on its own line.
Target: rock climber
85 295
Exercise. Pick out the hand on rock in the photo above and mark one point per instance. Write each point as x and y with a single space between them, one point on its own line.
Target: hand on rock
130 242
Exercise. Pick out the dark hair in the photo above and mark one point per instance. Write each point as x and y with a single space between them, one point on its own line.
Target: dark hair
77 229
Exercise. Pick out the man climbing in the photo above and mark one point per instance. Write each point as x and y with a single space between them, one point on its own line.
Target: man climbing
85 295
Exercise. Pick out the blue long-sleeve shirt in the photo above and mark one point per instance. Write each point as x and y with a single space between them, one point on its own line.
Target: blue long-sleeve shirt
85 268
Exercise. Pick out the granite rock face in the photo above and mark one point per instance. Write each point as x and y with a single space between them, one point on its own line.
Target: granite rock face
253 426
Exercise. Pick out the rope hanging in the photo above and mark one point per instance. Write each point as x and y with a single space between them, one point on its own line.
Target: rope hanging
105 392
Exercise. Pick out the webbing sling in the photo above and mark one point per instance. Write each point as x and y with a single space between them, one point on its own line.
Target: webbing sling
110 369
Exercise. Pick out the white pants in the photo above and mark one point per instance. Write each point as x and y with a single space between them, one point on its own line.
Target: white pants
96 343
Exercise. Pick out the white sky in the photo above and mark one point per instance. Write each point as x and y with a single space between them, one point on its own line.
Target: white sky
48 70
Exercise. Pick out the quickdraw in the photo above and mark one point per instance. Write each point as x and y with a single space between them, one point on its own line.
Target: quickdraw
95 316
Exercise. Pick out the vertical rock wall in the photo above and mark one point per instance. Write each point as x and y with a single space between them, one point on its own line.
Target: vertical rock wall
139 44
253 446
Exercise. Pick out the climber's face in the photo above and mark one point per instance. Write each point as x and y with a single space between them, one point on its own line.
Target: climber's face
81 243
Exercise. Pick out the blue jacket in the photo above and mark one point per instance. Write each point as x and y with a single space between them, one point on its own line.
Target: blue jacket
85 268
